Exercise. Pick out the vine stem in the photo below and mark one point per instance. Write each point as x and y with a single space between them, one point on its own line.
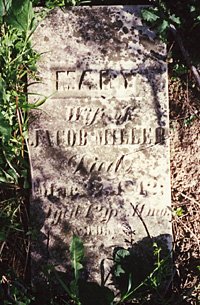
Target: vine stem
179 40
142 220
170 48
19 121
185 53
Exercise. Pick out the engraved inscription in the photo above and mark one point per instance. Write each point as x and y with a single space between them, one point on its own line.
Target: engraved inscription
86 115
128 112
56 193
89 116
101 215
107 79
96 212
92 230
106 137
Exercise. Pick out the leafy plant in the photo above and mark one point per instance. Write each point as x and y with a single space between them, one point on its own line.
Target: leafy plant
79 291
178 212
51 4
77 257
149 286
159 16
139 280
189 121
7 218
179 30
16 60
12 291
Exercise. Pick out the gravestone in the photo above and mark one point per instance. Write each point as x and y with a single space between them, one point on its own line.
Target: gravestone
99 146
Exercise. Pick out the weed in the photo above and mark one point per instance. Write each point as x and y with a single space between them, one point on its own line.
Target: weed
178 212
164 17
148 286
17 61
189 121
12 291
172 126
77 254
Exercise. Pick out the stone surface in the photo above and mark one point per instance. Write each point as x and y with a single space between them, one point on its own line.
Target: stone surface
99 147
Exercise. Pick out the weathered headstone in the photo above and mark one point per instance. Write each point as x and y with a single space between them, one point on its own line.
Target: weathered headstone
99 148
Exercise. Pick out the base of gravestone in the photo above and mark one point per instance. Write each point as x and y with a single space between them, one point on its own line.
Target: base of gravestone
134 266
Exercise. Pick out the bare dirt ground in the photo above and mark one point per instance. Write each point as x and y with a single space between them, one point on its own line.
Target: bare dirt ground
185 189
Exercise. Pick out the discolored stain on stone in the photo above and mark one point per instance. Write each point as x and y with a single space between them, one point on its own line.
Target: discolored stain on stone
125 29
46 38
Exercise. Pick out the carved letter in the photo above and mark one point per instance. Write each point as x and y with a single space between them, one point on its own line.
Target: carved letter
71 137
160 135
89 80
82 137
149 137
129 78
66 80
137 136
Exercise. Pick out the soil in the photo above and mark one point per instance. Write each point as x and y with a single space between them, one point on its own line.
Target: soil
185 188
